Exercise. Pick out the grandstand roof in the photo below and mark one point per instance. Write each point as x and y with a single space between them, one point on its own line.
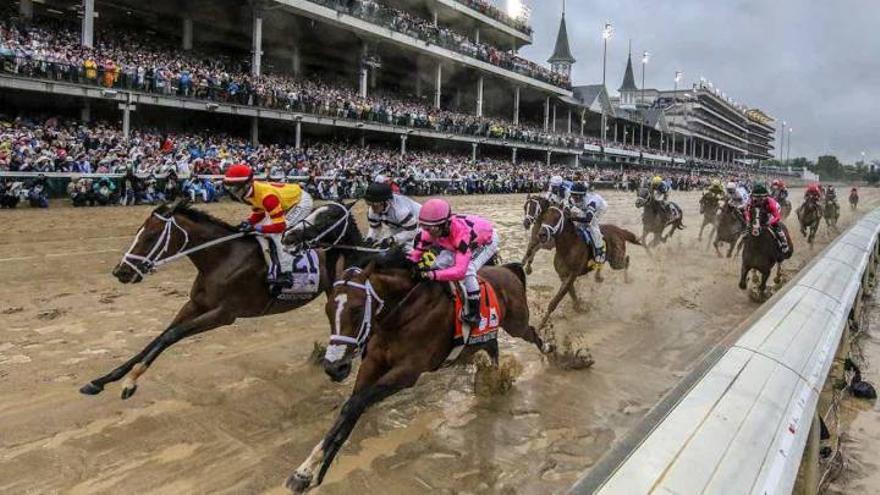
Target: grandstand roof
562 51
594 97
629 81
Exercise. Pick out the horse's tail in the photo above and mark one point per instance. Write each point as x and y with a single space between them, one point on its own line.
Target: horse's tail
630 237
517 269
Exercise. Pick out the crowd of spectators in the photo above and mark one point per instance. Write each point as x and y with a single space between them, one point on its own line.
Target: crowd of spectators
485 7
144 63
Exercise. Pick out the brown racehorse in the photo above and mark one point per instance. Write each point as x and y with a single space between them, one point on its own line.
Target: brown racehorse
710 209
731 227
831 213
809 215
533 210
854 200
761 252
231 281
655 218
406 329
574 257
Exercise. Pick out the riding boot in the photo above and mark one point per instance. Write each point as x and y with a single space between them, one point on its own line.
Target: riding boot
471 314
599 252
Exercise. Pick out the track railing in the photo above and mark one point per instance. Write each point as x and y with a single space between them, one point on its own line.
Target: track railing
746 420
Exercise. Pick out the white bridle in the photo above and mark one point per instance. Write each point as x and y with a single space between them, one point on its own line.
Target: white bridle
556 228
346 217
529 217
367 321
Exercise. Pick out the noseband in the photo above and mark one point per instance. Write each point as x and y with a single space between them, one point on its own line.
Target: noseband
143 265
367 322
557 227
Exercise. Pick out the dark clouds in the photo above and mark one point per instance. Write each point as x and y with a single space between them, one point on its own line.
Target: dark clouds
813 63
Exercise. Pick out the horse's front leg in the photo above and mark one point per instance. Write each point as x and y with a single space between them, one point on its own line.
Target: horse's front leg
563 289
366 393
744 272
96 386
531 250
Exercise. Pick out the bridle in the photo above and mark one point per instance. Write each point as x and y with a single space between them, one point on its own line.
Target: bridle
367 321
143 265
529 217
311 243
557 227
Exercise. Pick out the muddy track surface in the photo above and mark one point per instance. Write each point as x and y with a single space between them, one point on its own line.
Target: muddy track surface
235 410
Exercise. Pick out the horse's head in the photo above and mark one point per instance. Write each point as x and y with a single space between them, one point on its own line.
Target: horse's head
351 309
756 220
159 236
552 224
534 207
326 225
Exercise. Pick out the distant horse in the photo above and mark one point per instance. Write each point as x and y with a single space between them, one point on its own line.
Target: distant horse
761 252
854 200
574 257
655 218
534 210
710 210
831 213
809 215
731 227
403 329
231 281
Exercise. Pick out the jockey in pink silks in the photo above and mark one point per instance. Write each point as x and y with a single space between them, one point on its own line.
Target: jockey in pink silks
471 241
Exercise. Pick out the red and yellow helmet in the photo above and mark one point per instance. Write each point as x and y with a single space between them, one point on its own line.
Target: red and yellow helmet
238 174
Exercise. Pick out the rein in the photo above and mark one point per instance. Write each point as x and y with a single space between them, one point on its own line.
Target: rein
143 265
556 228
313 242
528 216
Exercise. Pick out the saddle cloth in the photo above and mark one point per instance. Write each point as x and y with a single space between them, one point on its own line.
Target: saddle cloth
302 265
490 312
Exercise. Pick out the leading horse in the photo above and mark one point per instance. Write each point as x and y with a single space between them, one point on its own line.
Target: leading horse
534 209
574 257
231 282
403 329
655 218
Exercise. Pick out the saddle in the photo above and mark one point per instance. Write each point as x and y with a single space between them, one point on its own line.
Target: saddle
303 265
490 311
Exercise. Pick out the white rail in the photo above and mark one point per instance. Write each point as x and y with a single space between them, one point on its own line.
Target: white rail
743 425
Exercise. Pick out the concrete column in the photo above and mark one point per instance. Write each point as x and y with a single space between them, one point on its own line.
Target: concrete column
418 87
548 157
364 72
298 136
255 131
26 9
477 35
547 114
85 113
473 152
363 140
554 118
434 17
88 24
187 33
702 150
633 135
615 132
516 106
257 42
438 83
403 145
126 121
295 60
513 156
480 96
569 122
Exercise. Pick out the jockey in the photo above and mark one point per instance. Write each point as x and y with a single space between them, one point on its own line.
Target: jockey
778 191
394 215
813 193
737 197
586 210
284 204
660 190
716 189
830 194
470 239
761 199
556 191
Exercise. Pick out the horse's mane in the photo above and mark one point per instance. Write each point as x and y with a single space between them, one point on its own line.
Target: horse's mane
394 258
197 216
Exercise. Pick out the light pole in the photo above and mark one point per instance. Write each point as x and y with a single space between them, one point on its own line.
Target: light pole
645 57
781 142
788 153
607 31
675 96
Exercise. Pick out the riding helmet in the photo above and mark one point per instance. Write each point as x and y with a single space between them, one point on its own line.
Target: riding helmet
378 192
578 189
435 212
760 190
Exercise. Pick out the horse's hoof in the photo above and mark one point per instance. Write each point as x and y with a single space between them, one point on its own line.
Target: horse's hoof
91 389
127 392
298 482
742 286
527 269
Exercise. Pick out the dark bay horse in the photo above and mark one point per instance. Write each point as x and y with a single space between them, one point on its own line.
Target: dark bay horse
710 209
655 218
406 329
854 200
831 213
533 211
731 227
809 216
574 257
231 282
761 253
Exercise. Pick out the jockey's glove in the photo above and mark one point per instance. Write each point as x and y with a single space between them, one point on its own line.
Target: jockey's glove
422 273
386 243
369 242
245 227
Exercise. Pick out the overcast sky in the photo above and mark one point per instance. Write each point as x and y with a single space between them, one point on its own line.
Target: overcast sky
813 63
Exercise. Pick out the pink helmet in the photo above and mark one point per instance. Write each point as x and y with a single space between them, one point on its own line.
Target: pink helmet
435 212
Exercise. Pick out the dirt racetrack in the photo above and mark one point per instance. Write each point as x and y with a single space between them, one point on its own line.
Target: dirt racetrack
237 409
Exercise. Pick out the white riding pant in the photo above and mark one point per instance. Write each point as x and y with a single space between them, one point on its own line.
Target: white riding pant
479 257
595 231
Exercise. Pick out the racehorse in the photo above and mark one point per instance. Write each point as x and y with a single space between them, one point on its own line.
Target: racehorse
534 210
574 257
809 215
761 252
403 329
231 282
710 211
785 208
655 218
854 200
731 227
831 213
